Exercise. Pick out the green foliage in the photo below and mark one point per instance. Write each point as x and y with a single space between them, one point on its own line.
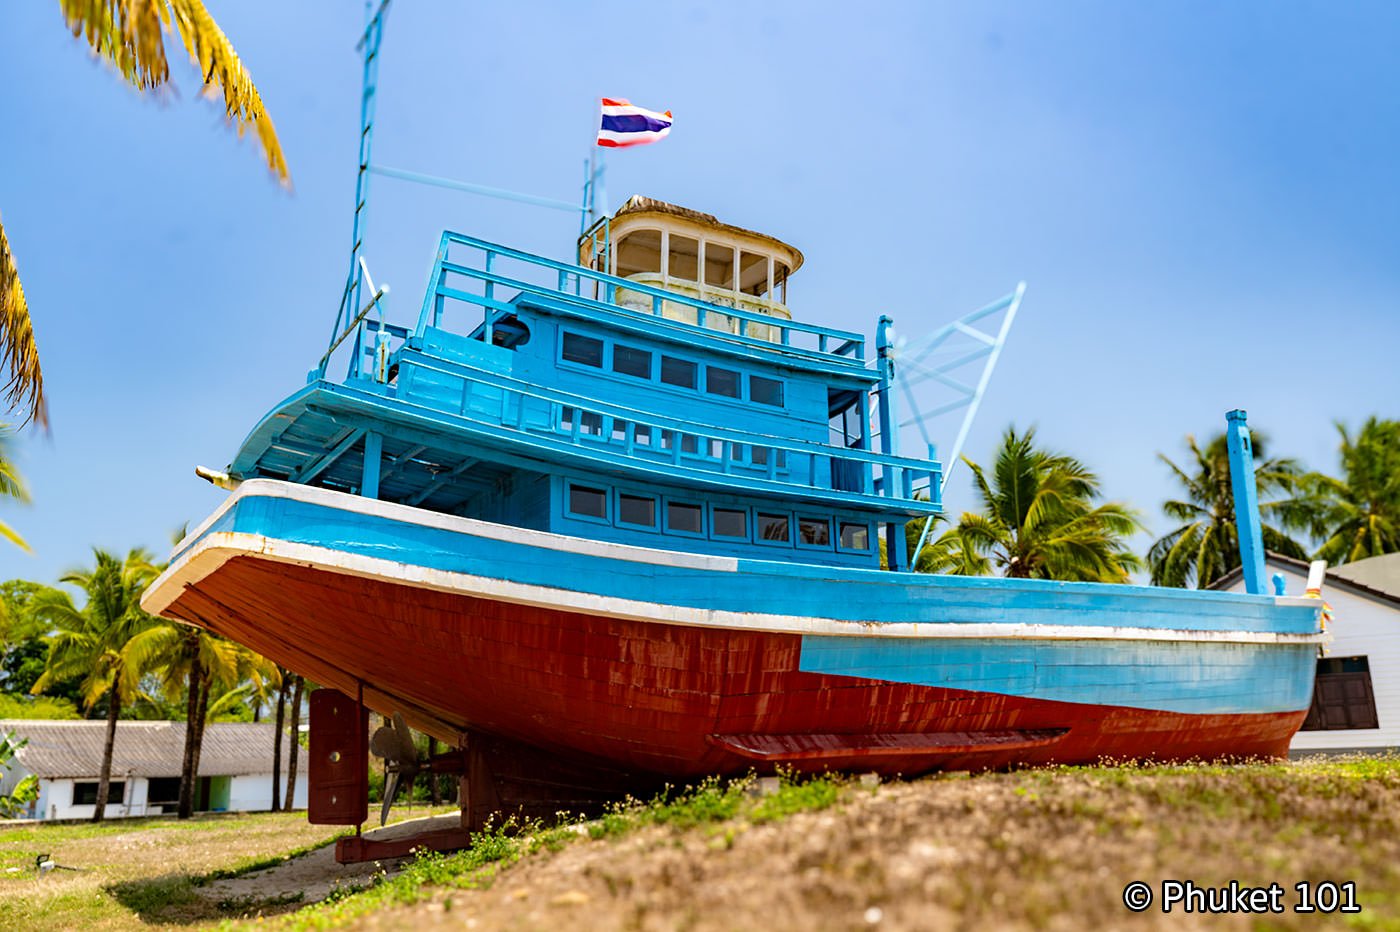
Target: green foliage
17 802
1040 519
37 707
1358 516
1206 545
796 796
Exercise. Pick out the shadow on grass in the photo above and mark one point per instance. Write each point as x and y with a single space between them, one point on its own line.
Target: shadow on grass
175 899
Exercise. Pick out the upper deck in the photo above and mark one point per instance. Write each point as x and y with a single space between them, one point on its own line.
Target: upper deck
525 380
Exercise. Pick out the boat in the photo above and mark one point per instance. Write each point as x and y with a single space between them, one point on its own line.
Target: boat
619 518
620 521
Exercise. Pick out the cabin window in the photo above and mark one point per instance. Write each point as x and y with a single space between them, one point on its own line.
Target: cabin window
722 382
1343 697
753 273
814 532
642 434
586 351
636 509
776 528
855 536
690 443
684 517
680 372
719 265
729 522
629 360
765 391
780 277
683 258
588 502
589 422
638 252
85 794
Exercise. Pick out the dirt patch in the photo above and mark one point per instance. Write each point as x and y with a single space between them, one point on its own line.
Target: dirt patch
312 877
1010 851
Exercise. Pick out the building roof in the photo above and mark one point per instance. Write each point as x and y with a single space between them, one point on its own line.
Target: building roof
143 749
1380 581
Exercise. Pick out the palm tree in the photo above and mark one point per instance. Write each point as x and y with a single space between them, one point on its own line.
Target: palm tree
131 35
196 662
1206 545
91 642
11 482
1359 516
1039 520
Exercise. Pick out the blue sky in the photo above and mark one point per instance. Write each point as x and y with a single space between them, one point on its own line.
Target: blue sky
1202 197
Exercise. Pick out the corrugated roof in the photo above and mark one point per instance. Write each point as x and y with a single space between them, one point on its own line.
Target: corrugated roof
144 749
1380 574
1343 576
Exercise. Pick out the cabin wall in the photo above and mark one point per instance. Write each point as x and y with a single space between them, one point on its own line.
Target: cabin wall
751 547
1362 626
522 501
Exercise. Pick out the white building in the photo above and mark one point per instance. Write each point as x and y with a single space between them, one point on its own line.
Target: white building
235 767
1356 700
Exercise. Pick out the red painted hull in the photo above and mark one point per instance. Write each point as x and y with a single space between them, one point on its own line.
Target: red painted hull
669 700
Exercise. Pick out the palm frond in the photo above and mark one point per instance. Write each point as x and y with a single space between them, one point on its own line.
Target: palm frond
23 386
131 35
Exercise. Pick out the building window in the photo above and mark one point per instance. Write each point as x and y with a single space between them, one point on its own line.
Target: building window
684 517
776 528
588 502
684 254
679 372
1342 696
854 536
722 382
85 794
731 523
814 532
766 391
629 360
636 509
585 351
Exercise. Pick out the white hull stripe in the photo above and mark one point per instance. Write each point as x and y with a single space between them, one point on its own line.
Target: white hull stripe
210 553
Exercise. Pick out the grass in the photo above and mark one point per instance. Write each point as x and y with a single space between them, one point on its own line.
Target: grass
1015 849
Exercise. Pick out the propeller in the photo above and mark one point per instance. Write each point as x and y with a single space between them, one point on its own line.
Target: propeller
393 741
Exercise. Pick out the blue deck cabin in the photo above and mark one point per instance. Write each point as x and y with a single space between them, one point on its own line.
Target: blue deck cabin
655 393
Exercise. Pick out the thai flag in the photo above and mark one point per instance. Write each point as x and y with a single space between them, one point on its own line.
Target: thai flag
627 125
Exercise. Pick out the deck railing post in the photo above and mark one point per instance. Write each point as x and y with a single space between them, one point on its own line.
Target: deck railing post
1245 488
895 544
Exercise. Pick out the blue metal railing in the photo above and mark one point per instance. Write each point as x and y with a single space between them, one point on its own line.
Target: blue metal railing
570 285
552 419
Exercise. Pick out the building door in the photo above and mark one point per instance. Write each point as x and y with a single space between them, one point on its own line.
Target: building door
1343 697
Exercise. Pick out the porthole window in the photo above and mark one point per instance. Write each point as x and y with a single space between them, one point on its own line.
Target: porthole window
765 391
636 509
684 517
588 502
776 528
629 360
730 522
679 372
583 350
855 536
814 532
722 382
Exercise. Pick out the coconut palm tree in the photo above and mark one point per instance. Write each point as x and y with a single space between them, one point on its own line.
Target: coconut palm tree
91 642
196 662
1359 515
11 482
1206 545
131 35
1040 519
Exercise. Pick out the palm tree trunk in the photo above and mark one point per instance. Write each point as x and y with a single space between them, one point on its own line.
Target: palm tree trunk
434 787
104 779
200 720
189 769
295 746
277 743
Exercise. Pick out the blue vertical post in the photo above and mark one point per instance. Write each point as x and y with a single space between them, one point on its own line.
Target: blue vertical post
374 455
889 437
1242 483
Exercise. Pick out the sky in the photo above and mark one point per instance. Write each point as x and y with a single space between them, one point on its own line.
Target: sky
1201 196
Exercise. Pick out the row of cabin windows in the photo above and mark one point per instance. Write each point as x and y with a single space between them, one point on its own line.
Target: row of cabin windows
682 257
671 370
651 512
